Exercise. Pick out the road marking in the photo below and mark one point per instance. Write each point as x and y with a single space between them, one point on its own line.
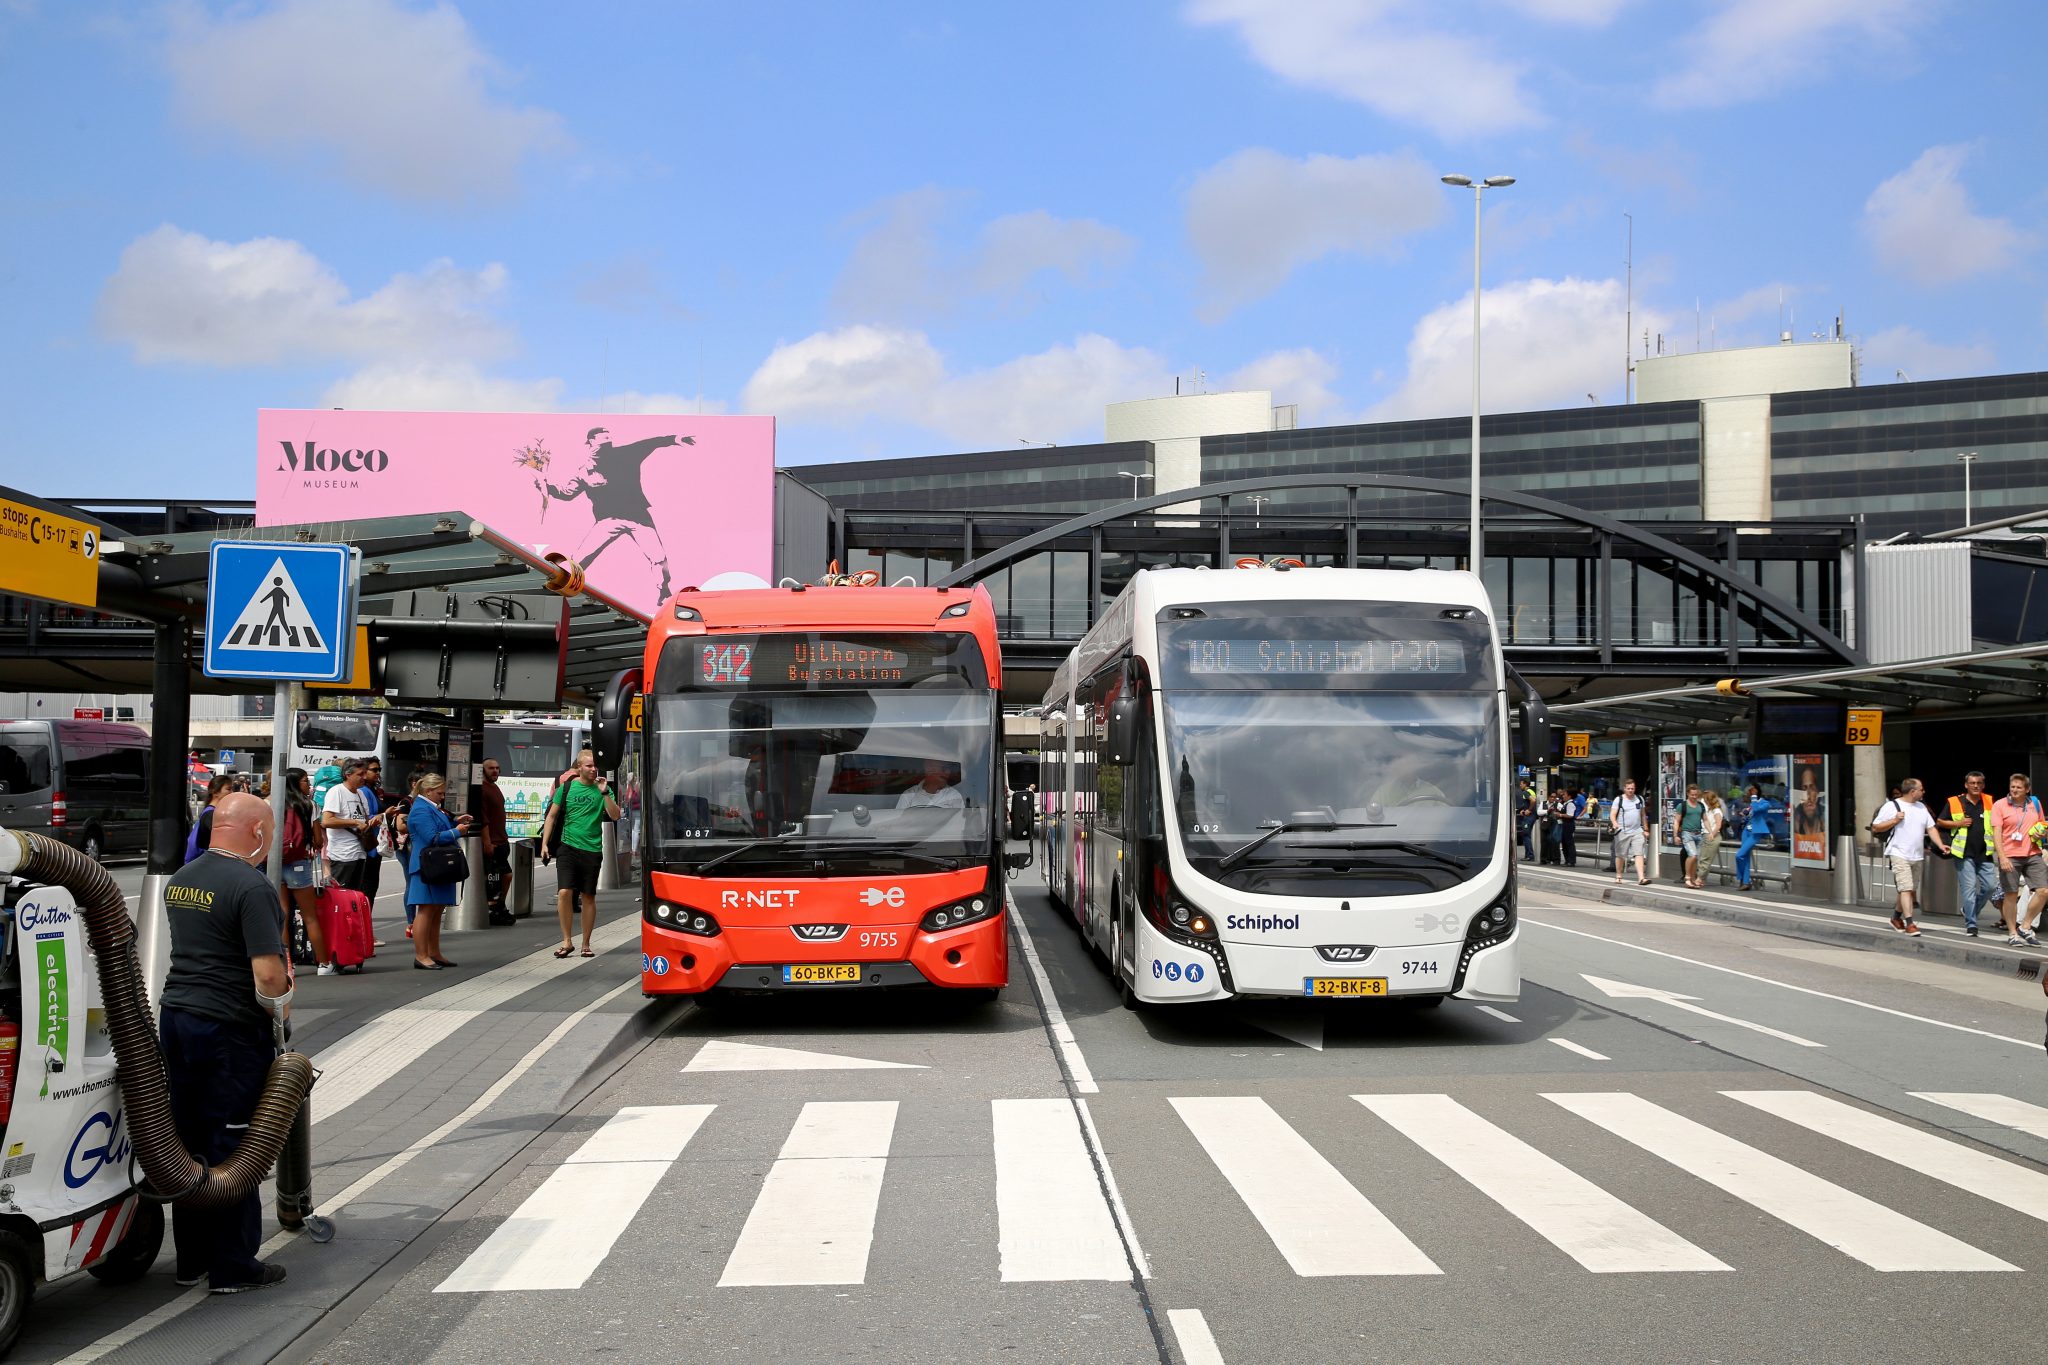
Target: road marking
815 1217
1055 1017
373 1054
1576 1216
2032 1045
1317 1219
720 1055
1191 1334
1622 990
1116 1198
1501 1015
561 1233
2019 1188
1053 1221
1569 1046
1861 1228
157 1317
2028 1118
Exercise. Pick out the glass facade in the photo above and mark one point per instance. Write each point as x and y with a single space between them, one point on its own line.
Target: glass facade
1640 462
1889 452
1030 479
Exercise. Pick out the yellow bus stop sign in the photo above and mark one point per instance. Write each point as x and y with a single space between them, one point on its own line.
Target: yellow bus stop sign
1865 727
1578 744
52 557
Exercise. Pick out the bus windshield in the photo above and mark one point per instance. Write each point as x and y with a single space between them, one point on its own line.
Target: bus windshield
1372 747
787 744
341 732
522 751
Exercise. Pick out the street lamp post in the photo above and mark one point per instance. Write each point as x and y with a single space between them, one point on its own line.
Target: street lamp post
1258 502
1134 478
1966 458
1477 551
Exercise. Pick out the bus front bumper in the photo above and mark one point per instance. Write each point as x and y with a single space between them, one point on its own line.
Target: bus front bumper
754 958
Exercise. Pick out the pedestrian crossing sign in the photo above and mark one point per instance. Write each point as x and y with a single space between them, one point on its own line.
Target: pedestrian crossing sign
285 612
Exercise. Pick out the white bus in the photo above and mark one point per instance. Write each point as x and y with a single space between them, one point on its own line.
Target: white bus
1286 782
532 752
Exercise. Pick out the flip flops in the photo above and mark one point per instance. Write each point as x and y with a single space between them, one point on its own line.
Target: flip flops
565 950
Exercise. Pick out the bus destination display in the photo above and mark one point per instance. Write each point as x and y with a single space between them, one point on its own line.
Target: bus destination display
1283 658
781 662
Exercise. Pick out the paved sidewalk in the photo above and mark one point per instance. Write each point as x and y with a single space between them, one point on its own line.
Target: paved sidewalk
1860 926
430 1081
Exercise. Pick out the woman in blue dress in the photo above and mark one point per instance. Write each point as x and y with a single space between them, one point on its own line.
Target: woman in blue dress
429 825
1756 828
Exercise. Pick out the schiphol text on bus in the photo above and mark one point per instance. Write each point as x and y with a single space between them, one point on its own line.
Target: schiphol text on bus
824 797
1287 781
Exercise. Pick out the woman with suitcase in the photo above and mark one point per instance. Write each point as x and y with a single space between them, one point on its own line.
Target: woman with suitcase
303 841
434 866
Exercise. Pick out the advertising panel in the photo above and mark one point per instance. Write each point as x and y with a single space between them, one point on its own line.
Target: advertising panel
1674 772
647 504
1808 800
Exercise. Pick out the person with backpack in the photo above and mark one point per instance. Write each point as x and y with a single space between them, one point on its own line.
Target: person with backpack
1629 820
1525 820
1909 829
303 840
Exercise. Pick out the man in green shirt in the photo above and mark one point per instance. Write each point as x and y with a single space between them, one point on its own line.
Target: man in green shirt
579 807
1688 823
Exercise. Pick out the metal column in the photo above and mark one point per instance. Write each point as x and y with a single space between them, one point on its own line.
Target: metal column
169 815
1606 622
1351 526
1223 535
1094 574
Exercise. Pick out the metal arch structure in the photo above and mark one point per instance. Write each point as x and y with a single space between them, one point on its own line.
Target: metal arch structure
1715 573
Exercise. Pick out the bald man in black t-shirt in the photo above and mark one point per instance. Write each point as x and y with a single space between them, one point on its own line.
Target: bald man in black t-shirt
227 949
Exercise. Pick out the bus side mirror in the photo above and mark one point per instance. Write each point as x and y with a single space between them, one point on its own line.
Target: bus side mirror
1120 738
1017 862
1535 732
614 710
1020 815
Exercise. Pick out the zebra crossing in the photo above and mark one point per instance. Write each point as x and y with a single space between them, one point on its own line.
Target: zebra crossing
1059 1217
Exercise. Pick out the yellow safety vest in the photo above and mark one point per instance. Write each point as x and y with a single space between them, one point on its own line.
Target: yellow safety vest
1961 837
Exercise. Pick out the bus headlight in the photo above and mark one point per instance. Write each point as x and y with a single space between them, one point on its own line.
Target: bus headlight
684 919
971 910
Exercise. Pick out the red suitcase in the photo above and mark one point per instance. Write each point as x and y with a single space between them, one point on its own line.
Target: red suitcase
345 921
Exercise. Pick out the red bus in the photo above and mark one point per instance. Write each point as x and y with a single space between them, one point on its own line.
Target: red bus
822 793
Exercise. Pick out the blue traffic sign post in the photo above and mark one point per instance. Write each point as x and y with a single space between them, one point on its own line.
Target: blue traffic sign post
283 612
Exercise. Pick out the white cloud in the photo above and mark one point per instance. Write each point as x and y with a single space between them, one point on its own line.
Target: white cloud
1256 216
178 296
1383 55
632 400
899 270
1548 343
864 373
1751 48
1584 13
1909 350
440 386
1921 224
1301 376
400 96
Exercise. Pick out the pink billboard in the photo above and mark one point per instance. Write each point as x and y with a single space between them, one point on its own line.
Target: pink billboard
647 504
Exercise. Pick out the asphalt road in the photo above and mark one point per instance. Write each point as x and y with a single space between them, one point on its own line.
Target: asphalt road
1687 1141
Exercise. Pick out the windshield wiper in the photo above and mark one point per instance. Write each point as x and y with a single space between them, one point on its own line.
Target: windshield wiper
1243 851
1405 846
772 841
823 844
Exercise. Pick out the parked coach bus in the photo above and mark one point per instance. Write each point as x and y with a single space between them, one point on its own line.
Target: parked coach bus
822 797
1282 781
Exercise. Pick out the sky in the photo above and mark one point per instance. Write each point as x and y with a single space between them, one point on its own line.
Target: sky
914 228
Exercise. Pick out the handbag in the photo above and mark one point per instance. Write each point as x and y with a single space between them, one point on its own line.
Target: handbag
442 863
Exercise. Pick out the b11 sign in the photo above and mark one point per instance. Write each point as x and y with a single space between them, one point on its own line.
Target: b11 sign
647 504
